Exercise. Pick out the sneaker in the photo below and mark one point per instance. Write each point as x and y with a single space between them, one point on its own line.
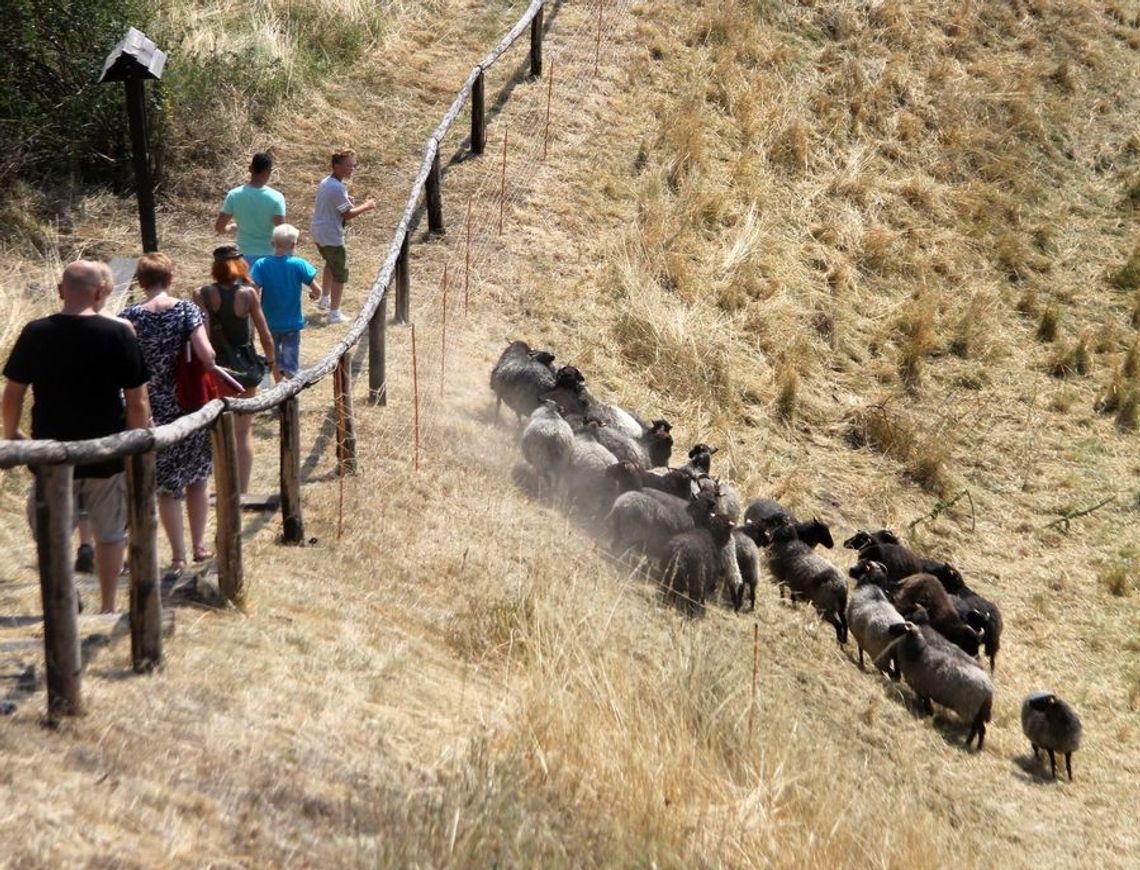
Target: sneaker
85 559
325 303
335 316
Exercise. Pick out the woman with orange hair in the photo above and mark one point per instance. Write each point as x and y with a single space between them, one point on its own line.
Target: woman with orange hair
232 306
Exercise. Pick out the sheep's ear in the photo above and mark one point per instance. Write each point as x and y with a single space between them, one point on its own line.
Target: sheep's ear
898 629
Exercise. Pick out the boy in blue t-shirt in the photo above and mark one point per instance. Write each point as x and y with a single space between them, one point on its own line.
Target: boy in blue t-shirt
280 278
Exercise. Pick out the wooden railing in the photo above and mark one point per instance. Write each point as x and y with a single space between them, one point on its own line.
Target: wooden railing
53 461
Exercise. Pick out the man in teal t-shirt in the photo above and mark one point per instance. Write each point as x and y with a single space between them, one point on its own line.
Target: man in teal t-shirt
255 208
280 278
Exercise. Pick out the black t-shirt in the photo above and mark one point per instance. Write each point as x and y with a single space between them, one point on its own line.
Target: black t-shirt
78 366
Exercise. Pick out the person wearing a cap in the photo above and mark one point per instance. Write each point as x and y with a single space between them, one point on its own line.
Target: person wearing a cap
332 211
232 306
88 379
255 208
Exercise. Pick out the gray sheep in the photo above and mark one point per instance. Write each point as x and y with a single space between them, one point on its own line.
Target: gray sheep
938 671
589 488
644 519
807 575
696 560
1052 725
521 377
870 613
548 442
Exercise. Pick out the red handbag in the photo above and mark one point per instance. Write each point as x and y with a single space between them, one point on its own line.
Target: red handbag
193 384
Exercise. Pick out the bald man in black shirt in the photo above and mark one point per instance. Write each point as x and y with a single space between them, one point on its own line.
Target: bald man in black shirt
88 380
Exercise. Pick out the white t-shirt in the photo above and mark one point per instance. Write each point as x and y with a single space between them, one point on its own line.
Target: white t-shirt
327 226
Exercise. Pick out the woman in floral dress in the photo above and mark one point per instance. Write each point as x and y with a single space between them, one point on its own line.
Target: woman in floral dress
164 324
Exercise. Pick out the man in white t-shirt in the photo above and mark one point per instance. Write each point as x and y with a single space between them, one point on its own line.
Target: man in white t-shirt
331 211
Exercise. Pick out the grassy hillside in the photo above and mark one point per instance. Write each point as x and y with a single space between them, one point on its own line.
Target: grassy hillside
883 257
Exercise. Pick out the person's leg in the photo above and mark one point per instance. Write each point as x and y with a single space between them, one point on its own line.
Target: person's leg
326 284
170 515
108 565
106 500
288 352
243 434
198 509
85 554
336 275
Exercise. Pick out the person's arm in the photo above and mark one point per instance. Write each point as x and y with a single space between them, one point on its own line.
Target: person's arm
357 210
223 223
316 291
13 407
202 347
138 407
263 333
278 219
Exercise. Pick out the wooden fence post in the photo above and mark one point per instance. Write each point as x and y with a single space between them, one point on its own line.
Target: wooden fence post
403 282
231 578
57 588
345 421
536 43
478 116
377 337
146 597
435 197
293 527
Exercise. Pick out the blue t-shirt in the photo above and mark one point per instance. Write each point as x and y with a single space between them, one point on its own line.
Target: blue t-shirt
280 279
253 209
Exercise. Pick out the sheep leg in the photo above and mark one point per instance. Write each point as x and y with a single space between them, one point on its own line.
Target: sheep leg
992 664
1053 763
861 657
1036 751
1069 764
927 707
979 728
498 402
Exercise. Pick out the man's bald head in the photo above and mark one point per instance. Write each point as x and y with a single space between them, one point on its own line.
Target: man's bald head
85 284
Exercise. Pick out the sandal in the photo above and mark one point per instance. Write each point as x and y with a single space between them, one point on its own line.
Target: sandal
203 555
177 566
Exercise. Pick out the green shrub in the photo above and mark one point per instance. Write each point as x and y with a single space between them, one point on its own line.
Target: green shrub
54 118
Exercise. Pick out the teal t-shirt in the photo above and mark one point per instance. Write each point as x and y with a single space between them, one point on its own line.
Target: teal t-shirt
280 279
253 209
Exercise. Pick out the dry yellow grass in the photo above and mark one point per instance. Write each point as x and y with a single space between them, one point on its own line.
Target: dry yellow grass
777 225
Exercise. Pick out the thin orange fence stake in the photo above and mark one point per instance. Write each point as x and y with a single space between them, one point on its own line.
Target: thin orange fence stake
503 183
443 332
415 402
549 93
467 264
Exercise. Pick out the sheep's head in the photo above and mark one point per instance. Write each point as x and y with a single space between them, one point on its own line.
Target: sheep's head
815 532
903 629
625 476
948 576
659 443
862 538
661 426
544 357
869 571
1042 702
701 456
569 378
757 532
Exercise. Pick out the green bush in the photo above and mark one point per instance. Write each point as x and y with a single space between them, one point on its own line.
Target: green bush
55 120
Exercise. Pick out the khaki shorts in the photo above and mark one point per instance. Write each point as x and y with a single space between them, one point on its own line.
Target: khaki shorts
336 258
103 499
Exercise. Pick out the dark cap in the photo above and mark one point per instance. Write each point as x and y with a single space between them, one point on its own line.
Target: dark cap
261 162
227 252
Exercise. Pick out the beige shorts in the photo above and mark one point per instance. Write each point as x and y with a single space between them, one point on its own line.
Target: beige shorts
102 499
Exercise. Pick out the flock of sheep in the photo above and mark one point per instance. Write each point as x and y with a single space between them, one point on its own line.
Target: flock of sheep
916 618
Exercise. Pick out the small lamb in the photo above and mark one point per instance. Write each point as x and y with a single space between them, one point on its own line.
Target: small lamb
1052 725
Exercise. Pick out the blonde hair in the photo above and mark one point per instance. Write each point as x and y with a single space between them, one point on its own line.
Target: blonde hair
285 236
341 156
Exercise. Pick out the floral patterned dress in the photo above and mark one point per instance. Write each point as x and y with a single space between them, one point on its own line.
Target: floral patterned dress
163 336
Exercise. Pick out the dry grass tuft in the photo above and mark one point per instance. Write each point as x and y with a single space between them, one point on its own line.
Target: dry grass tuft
1127 277
924 455
1047 327
787 388
1121 577
1074 361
